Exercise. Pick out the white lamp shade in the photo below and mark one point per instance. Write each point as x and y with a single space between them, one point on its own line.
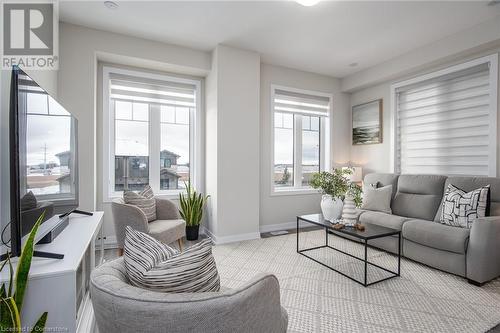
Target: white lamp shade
357 174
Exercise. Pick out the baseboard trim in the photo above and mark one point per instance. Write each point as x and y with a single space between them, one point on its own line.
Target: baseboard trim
233 238
111 243
283 226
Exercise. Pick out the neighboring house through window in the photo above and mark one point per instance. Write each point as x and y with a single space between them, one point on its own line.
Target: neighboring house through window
301 122
150 129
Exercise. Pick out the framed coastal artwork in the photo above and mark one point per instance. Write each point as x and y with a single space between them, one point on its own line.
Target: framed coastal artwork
367 123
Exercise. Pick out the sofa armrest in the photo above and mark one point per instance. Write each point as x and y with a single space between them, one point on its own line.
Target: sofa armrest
166 210
256 306
127 215
483 252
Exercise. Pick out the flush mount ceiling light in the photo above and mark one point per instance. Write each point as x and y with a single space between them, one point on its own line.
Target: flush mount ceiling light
307 3
111 4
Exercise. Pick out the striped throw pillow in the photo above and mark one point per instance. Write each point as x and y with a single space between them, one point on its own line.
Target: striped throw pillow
191 271
142 252
144 200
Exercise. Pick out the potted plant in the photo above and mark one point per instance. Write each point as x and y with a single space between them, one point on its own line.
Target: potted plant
335 186
11 297
191 210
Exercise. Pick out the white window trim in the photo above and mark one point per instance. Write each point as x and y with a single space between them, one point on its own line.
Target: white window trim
325 142
195 137
493 63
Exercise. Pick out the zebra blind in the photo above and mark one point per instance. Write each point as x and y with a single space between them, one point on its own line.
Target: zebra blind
444 124
299 103
128 88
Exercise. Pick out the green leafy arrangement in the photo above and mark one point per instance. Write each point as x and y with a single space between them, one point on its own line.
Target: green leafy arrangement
11 299
337 184
191 205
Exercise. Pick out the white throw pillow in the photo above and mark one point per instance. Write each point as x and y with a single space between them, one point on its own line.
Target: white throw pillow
377 199
461 209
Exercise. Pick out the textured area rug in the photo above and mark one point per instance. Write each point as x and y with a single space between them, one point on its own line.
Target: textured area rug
320 300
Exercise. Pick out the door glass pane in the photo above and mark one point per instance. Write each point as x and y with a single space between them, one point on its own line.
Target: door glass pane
283 151
310 150
174 154
131 153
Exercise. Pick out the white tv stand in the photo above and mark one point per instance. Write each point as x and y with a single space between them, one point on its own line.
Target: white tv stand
60 286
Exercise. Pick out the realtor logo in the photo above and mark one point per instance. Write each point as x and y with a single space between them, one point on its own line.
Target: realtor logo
29 35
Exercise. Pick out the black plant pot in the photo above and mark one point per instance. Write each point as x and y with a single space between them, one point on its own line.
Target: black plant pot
192 232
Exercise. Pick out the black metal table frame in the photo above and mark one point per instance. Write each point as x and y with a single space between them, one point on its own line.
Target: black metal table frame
365 259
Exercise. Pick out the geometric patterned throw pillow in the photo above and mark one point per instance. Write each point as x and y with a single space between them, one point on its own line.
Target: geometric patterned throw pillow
151 265
461 209
144 200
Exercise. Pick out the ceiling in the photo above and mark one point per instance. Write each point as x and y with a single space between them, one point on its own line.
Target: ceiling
325 38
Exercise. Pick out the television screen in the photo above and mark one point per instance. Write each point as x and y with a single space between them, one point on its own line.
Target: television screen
43 155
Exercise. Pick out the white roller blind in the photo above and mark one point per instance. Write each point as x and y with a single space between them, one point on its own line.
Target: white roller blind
294 102
127 88
444 124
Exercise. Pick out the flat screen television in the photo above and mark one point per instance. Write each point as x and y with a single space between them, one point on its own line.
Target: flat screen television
43 160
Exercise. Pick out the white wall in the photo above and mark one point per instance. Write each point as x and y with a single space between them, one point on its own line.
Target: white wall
211 140
449 49
233 90
275 210
373 157
80 50
376 157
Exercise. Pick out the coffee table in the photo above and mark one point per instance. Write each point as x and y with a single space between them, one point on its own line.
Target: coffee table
371 232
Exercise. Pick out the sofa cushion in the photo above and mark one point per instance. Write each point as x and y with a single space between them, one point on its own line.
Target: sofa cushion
436 235
461 209
471 183
377 199
382 219
382 179
167 231
418 196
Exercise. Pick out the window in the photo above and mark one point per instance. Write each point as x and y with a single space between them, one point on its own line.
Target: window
446 121
300 137
150 122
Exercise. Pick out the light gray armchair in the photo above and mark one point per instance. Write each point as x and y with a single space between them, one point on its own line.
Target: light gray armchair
167 228
122 308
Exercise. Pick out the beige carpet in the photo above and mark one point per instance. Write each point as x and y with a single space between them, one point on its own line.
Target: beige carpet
320 300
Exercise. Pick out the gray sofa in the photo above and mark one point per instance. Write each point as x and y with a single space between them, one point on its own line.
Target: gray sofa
416 209
122 308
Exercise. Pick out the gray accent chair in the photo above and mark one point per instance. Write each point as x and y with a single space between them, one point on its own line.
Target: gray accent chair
122 308
167 228
416 210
